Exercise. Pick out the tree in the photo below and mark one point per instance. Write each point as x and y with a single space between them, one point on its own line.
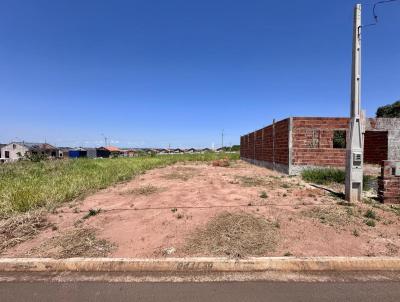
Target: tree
392 110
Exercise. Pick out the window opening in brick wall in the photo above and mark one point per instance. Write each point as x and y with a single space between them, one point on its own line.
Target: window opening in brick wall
339 139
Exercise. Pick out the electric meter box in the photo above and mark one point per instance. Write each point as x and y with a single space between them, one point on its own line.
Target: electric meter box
397 169
357 160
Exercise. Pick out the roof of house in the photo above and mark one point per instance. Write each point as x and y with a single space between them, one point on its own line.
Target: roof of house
111 148
35 146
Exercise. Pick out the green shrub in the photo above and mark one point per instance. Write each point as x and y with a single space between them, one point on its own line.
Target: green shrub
326 176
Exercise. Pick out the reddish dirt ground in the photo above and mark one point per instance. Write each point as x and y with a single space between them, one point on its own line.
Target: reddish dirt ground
142 223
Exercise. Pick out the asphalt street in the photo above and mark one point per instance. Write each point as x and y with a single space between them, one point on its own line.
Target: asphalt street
205 291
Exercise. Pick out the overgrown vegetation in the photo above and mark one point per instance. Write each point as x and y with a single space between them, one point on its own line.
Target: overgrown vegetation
27 185
326 176
235 235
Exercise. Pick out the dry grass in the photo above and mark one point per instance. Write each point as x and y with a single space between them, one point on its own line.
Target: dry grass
251 181
143 190
270 182
235 235
335 215
81 242
20 228
181 173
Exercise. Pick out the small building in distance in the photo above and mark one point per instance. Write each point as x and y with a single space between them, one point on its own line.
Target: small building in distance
126 152
77 153
108 151
91 152
64 152
18 150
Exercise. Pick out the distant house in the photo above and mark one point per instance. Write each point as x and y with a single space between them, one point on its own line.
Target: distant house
108 151
64 151
163 151
127 152
91 152
17 150
77 153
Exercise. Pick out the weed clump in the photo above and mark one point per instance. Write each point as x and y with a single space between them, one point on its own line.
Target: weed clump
370 222
370 214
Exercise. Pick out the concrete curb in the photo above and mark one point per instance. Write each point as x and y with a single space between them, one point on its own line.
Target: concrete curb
202 264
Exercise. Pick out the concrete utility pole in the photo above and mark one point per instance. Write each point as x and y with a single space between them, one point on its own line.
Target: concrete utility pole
222 138
354 154
105 140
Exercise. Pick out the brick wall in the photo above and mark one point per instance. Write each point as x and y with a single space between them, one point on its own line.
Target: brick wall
282 142
388 183
308 141
269 144
375 147
313 141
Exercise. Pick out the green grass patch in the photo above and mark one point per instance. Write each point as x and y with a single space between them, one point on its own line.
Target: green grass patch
326 176
29 185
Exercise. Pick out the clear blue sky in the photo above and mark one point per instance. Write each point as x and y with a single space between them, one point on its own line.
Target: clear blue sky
150 73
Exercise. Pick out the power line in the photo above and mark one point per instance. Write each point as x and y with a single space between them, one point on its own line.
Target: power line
249 205
374 12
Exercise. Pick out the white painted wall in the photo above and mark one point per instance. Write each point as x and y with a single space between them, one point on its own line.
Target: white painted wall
15 151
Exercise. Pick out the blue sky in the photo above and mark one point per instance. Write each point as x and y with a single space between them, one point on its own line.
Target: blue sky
153 73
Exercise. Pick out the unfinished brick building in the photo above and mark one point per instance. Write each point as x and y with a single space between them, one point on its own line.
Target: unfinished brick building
297 143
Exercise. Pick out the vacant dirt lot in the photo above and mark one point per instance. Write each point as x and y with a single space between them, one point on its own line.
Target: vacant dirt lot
201 209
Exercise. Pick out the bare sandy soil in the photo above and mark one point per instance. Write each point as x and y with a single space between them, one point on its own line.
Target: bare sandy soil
153 215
